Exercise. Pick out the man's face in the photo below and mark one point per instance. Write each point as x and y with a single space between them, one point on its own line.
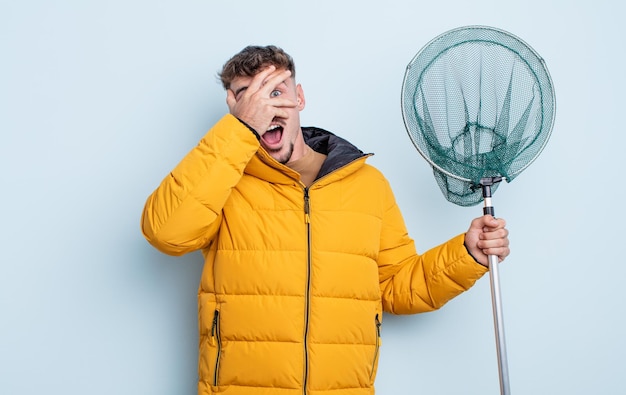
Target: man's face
283 138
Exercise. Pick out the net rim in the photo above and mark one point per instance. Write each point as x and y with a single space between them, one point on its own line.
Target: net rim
506 34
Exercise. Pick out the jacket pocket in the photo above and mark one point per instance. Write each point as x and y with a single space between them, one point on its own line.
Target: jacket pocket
373 369
216 339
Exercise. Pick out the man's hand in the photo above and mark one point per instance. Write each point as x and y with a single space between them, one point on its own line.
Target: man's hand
250 98
487 236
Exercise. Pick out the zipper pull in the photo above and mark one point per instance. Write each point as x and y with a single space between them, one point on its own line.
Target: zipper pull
307 208
378 324
214 327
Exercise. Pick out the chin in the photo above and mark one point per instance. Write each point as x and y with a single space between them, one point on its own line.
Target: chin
282 155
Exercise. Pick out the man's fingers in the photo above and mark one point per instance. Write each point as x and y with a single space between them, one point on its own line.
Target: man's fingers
494 240
254 103
282 102
258 81
495 243
276 78
267 80
272 81
491 224
495 234
280 113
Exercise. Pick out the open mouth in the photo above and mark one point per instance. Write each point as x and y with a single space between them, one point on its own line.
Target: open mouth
273 135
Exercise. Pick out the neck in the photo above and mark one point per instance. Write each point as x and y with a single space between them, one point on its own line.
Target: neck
300 149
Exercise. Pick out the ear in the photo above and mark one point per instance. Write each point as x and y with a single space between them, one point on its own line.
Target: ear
300 98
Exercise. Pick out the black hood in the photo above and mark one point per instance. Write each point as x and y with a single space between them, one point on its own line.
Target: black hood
339 151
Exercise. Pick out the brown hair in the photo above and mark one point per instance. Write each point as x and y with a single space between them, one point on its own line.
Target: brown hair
252 59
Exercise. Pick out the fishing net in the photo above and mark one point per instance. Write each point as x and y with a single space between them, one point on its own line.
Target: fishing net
477 103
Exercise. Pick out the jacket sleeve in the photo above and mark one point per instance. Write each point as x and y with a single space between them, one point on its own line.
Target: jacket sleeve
184 212
413 283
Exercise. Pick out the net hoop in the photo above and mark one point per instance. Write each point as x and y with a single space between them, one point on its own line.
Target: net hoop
472 34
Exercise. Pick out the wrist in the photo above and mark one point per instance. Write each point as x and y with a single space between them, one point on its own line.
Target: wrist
256 134
472 255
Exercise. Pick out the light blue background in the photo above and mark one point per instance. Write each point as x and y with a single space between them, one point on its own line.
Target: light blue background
100 100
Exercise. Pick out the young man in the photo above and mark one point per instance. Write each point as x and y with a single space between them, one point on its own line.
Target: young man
304 245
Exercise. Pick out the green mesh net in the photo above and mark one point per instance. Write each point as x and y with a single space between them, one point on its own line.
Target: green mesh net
477 102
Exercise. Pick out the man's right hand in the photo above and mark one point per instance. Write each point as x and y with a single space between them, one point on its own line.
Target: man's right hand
249 98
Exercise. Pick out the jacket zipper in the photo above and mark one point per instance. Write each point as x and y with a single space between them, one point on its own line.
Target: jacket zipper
307 220
307 307
215 333
378 324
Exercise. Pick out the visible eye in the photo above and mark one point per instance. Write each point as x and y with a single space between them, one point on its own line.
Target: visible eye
275 93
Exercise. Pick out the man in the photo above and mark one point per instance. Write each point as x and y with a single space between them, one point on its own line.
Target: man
304 245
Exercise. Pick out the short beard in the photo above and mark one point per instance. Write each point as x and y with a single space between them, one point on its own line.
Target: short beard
285 158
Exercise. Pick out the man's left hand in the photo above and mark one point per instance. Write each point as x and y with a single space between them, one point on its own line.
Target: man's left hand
487 236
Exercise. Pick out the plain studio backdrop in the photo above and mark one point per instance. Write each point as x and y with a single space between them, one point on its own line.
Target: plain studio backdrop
99 100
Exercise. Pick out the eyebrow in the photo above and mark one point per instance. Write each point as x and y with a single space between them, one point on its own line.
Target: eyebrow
238 91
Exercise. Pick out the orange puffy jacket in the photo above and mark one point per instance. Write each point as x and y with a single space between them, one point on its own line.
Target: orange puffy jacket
295 279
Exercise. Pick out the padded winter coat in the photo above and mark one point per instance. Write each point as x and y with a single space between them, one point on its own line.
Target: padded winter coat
295 279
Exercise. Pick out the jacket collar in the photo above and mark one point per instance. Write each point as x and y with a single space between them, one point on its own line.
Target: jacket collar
339 153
